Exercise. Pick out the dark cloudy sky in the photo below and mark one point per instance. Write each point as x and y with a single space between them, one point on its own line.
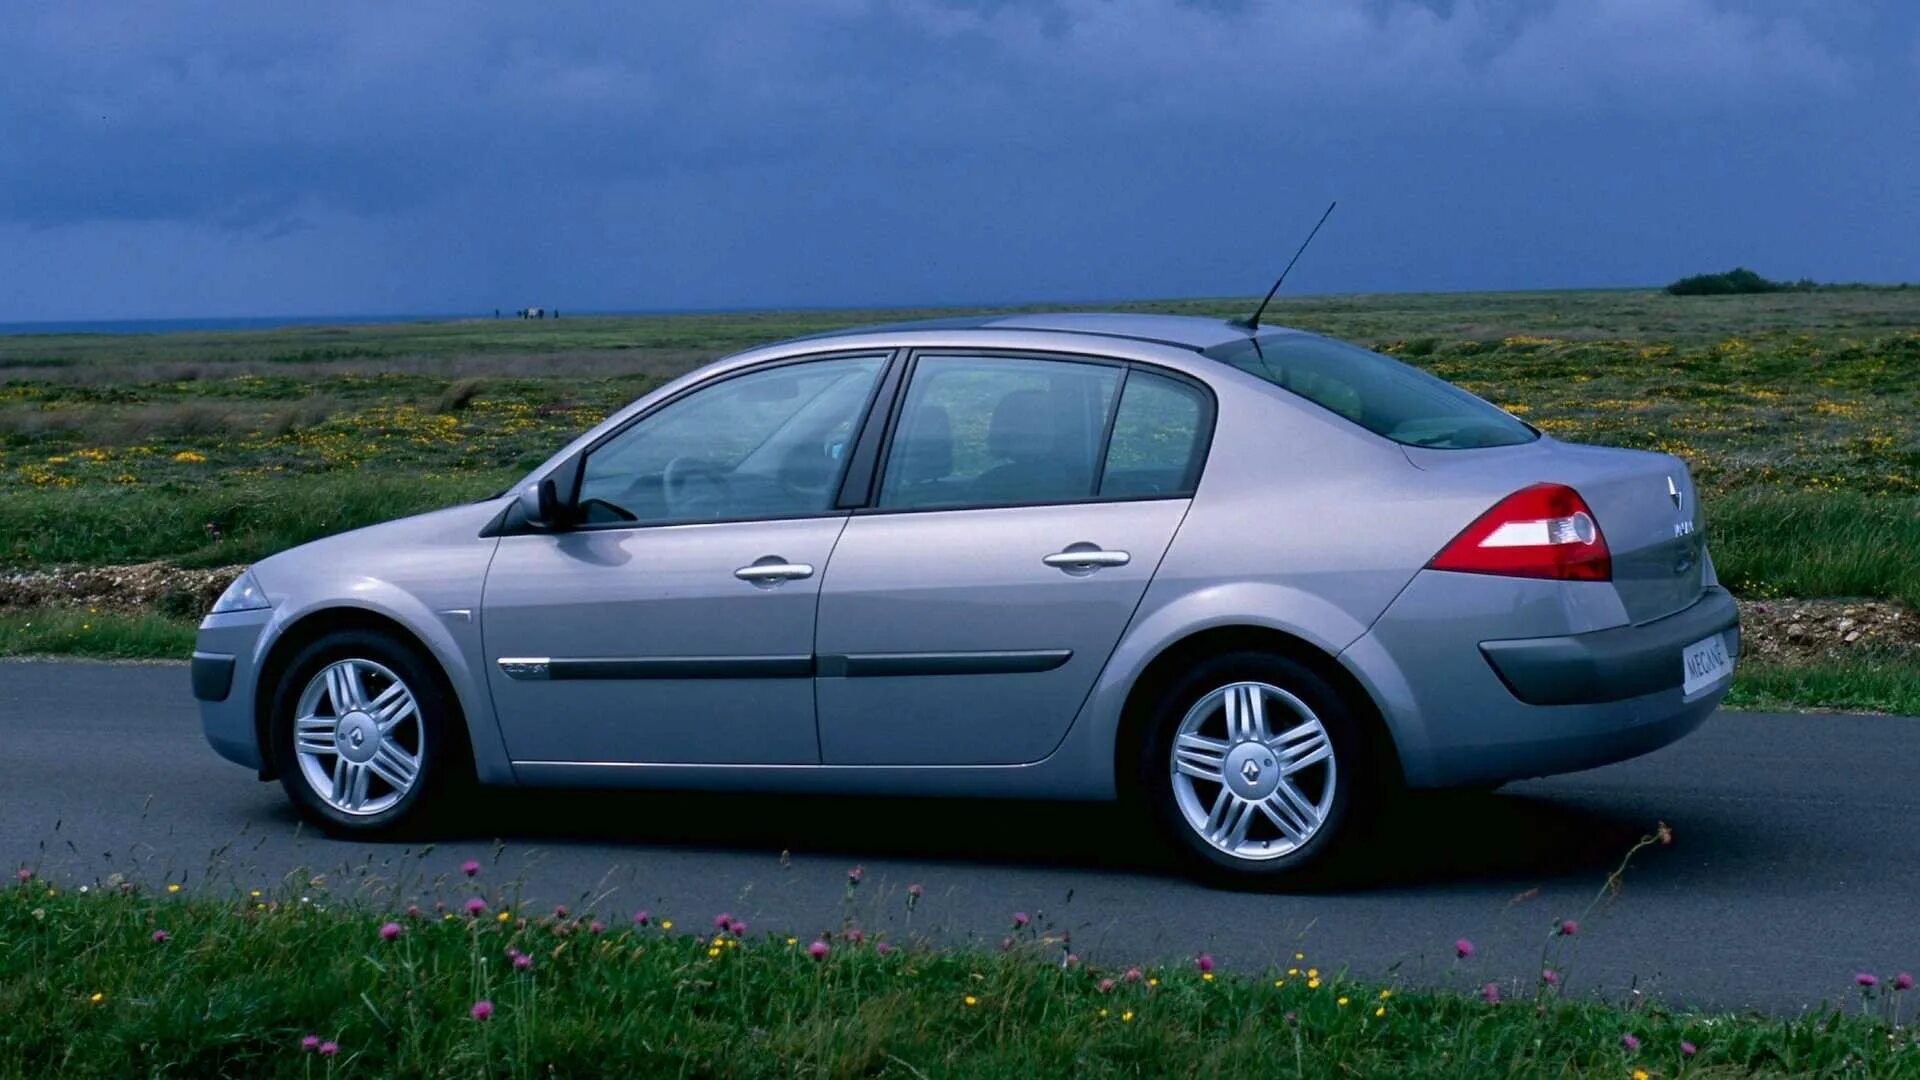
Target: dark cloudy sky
235 158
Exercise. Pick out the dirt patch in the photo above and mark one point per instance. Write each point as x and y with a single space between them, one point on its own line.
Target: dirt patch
1809 629
141 587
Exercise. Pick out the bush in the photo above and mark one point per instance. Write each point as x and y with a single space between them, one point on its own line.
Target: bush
1737 280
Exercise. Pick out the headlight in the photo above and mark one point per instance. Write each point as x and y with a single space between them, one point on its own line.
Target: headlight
243 595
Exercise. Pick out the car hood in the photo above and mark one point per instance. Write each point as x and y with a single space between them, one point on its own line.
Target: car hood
441 549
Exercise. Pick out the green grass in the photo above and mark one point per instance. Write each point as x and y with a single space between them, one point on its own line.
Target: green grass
80 632
221 522
1816 544
1869 682
235 985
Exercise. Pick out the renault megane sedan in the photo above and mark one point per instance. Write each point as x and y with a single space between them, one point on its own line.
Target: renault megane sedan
1254 580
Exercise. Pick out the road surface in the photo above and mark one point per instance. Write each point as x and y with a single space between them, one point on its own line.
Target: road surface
1796 860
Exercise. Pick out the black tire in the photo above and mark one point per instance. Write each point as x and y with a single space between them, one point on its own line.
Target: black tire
1360 787
445 768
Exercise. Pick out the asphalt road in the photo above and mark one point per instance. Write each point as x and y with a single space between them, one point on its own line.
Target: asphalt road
1796 861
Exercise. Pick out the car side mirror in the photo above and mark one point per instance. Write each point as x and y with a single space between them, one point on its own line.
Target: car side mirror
548 503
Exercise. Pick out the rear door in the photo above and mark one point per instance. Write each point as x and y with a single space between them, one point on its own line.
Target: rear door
1022 506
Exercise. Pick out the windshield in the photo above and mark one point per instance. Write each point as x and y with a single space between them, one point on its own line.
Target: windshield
1377 392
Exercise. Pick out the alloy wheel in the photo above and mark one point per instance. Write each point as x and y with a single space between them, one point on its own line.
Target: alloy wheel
1253 770
358 737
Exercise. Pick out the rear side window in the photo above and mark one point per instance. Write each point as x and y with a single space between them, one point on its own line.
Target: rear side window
998 431
1156 447
1377 392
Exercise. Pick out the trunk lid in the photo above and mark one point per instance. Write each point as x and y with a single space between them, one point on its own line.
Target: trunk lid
1644 503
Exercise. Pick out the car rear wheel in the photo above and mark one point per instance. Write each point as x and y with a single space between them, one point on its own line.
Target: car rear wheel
1253 769
364 738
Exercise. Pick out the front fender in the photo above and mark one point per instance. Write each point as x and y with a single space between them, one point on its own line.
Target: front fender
450 639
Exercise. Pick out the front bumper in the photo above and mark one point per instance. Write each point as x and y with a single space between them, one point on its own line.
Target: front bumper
1601 692
224 670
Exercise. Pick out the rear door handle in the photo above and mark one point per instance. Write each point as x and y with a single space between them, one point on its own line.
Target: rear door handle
772 570
1085 559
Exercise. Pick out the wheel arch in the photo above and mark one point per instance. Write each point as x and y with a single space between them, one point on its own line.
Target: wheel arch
1177 655
311 626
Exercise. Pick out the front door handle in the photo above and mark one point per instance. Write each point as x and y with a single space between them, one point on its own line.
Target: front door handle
1085 559
772 570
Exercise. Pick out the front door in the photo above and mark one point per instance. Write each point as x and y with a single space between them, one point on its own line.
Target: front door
675 624
1023 508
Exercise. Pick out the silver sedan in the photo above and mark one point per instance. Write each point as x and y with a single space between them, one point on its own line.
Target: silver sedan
1254 581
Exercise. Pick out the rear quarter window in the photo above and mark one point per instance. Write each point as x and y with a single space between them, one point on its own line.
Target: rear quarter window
1377 392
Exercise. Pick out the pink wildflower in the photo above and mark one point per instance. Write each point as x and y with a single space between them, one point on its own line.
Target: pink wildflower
390 931
1463 949
160 937
1867 981
598 927
1204 962
1903 981
1568 928
640 918
1106 986
329 1048
1490 993
471 868
817 950
1132 975
1550 977
310 1043
1687 1049
476 907
1631 1042
1020 919
854 875
882 947
916 891
482 1010
522 962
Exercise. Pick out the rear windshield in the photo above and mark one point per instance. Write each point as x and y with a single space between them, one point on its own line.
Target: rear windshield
1377 392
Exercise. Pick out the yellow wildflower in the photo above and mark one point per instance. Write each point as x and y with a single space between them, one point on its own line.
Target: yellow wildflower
97 997
174 887
1381 1011
1313 984
1127 1017
190 457
1342 1002
506 916
971 1001
666 924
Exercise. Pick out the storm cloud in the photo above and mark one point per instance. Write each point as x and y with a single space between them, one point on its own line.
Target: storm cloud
234 158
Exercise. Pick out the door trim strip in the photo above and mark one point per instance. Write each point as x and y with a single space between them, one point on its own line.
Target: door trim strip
849 666
897 665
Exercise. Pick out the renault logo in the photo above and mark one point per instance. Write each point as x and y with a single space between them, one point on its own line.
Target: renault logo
357 736
1673 492
1251 771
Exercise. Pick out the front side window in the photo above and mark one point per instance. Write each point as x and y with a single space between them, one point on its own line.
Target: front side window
1377 392
979 431
768 443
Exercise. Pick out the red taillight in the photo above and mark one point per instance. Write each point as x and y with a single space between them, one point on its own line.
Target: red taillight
1545 531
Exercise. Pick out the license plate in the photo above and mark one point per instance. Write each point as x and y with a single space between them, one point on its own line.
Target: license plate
1704 663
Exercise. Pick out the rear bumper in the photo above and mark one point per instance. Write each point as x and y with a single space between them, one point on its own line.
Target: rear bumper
1606 692
1611 665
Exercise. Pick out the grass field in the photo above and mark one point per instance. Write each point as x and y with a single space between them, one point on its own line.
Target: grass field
293 980
1799 413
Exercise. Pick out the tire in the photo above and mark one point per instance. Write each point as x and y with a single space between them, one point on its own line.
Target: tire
1282 806
397 780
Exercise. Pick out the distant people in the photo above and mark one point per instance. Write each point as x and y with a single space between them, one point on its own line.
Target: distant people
496 313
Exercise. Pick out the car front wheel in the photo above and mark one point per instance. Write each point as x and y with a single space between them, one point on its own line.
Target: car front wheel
1252 770
363 737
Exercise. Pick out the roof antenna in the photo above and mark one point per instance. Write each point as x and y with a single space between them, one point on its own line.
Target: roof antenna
1253 321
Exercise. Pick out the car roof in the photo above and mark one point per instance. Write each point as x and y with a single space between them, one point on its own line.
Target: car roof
1194 332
